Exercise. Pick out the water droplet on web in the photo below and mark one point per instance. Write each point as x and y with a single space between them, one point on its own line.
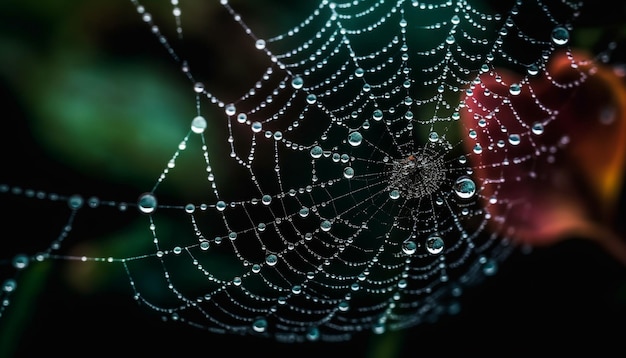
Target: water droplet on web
313 334
537 128
260 44
266 199
514 139
20 261
455 20
433 137
464 187
532 70
257 127
409 247
348 172
560 35
311 98
198 87
9 285
304 212
220 205
260 325
325 225
515 89
377 115
230 110
75 202
359 72
198 124
355 139
394 194
147 203
434 244
271 259
242 117
316 152
297 82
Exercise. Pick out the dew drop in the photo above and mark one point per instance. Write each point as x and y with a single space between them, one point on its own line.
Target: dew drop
377 115
257 127
260 325
355 139
316 152
394 194
75 202
326 225
266 199
434 244
515 89
464 187
220 205
271 259
260 44
20 261
147 203
230 110
560 35
198 124
514 139
537 128
348 172
297 82
409 247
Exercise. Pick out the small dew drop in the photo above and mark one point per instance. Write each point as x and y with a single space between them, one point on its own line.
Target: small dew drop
260 44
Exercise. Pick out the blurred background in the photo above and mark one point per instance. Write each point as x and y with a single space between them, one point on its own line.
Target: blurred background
87 91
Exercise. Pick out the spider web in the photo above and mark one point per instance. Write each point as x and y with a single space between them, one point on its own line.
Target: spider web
338 193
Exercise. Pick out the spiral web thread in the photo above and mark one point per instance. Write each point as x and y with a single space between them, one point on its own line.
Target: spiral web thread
347 200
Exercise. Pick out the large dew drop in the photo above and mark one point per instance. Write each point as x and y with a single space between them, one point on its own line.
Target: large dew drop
434 244
560 36
260 325
198 124
355 139
297 82
147 203
464 187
